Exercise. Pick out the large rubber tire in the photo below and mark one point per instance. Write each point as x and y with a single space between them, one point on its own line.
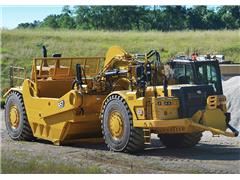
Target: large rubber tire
132 139
23 130
180 140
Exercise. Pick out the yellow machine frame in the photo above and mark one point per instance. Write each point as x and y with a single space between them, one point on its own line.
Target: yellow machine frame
64 114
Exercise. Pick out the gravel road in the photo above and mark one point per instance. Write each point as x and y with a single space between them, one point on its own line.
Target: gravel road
211 155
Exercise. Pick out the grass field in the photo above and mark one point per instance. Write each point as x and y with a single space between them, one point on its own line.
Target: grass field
20 46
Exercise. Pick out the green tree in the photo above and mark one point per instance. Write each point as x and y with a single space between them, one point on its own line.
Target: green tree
66 10
51 21
230 16
164 18
82 17
35 24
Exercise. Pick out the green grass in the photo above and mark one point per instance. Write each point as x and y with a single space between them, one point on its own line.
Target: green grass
20 46
18 162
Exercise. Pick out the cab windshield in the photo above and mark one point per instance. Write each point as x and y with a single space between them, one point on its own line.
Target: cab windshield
208 74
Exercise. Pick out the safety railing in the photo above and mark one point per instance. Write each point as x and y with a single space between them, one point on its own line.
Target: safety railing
17 75
45 67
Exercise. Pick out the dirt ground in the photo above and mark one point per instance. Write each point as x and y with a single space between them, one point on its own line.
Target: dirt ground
211 155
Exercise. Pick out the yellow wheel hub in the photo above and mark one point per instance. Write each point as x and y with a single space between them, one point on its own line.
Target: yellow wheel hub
116 125
14 116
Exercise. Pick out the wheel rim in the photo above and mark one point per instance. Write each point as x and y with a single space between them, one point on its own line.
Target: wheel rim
14 116
116 125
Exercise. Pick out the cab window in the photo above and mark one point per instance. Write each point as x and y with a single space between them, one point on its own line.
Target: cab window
183 74
189 73
179 71
207 74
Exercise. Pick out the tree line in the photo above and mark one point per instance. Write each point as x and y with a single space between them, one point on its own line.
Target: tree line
142 18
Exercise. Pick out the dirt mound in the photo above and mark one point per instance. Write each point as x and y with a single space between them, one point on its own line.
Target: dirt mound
231 89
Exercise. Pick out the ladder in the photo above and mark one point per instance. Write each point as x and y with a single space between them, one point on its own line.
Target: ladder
147 135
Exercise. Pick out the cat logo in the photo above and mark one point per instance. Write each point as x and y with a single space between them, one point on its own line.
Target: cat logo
61 104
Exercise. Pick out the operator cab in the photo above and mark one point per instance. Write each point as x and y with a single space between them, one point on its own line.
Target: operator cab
187 71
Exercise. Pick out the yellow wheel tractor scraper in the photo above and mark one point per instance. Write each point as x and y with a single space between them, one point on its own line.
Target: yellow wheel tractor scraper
122 98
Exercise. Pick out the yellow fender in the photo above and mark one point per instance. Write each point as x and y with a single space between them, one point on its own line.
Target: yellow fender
131 99
16 89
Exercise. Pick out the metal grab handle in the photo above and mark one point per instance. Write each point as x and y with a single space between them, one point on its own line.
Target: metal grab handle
154 52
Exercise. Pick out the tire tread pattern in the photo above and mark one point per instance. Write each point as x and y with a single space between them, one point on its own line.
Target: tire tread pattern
26 133
186 140
136 140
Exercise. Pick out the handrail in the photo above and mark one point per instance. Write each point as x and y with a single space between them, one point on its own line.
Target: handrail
21 74
68 58
83 60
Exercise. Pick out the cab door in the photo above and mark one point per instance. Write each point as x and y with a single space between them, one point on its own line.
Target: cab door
208 73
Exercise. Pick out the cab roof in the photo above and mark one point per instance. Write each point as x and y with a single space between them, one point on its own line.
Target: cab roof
191 61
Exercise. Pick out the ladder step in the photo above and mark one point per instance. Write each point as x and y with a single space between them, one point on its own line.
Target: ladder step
147 136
